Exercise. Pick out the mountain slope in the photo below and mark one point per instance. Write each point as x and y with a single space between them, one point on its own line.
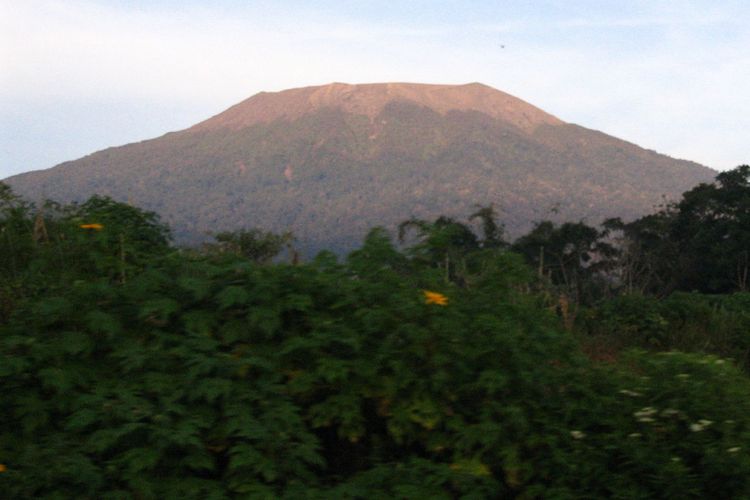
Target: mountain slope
329 162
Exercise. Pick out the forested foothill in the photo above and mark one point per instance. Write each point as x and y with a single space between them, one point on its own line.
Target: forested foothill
438 362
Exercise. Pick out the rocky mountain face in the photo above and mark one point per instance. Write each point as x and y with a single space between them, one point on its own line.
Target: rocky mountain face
332 161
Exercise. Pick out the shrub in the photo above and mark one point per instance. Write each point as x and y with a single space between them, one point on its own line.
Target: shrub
222 378
691 322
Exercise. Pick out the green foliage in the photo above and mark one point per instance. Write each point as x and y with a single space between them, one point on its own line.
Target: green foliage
141 229
570 256
666 425
712 228
128 240
16 244
131 370
52 246
698 244
718 324
649 259
443 244
492 231
254 244
206 378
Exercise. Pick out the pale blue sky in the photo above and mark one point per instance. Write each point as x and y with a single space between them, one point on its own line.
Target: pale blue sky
78 76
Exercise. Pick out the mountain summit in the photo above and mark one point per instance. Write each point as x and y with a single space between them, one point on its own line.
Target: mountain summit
329 162
370 100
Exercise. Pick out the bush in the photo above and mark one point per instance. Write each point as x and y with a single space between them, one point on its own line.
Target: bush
195 379
665 425
223 378
691 322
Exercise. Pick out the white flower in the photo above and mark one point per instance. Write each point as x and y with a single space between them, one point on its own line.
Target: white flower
634 435
696 427
675 459
719 361
734 449
577 434
645 414
628 392
704 422
670 412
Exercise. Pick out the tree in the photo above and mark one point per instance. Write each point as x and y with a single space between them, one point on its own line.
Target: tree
570 255
700 243
647 258
16 228
254 244
443 243
119 238
712 231
491 230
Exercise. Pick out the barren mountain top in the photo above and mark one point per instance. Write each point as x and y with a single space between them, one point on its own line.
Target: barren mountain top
370 99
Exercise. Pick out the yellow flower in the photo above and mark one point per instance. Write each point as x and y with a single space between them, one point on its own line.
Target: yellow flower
435 298
95 226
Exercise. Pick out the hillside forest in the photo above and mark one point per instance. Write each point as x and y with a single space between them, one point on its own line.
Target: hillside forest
438 360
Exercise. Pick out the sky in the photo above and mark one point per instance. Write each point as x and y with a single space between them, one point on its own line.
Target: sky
77 76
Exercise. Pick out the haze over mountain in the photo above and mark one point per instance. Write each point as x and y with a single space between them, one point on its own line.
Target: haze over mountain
329 162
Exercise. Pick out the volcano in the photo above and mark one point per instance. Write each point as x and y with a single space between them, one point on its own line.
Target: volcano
330 162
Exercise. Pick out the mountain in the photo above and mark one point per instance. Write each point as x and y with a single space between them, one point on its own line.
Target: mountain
329 162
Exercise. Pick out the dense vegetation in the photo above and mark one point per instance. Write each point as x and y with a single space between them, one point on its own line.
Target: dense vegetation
576 362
